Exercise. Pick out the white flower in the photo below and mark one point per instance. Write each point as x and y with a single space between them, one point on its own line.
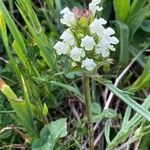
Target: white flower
77 53
93 6
68 17
67 37
96 26
103 48
88 42
113 40
107 34
89 64
109 31
61 48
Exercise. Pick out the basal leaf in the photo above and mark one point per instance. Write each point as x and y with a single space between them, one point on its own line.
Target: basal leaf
50 134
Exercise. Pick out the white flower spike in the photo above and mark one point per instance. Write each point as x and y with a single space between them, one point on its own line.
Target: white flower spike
93 6
61 48
68 17
77 53
97 39
88 43
89 64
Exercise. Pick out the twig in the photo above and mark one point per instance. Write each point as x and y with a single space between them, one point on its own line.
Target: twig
16 146
98 138
126 144
6 128
137 144
6 61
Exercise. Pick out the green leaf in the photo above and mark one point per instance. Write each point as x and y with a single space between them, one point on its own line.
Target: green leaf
107 131
146 26
3 30
121 9
126 117
23 108
135 21
135 52
143 81
129 101
96 109
109 113
98 117
69 88
136 6
37 33
124 42
21 50
50 135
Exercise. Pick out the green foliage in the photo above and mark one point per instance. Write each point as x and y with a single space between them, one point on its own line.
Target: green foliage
143 81
146 26
121 9
50 135
124 42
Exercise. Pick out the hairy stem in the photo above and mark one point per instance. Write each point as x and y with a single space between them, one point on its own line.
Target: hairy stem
89 111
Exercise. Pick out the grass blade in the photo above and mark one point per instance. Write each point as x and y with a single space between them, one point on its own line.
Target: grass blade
129 101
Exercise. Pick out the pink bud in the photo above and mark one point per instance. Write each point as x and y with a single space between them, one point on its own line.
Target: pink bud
81 13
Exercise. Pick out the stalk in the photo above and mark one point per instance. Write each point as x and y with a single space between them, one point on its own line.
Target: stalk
89 110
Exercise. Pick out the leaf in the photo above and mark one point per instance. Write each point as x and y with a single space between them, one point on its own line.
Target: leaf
110 113
69 88
135 21
124 42
37 33
3 30
135 52
137 118
107 131
20 108
50 135
126 117
96 109
121 9
136 6
146 25
129 101
143 81
98 117
20 45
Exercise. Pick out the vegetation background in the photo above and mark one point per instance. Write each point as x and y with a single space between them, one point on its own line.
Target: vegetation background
42 102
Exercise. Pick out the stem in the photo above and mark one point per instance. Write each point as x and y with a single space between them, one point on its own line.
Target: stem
89 111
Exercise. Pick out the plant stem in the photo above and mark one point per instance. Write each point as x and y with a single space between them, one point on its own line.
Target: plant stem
89 111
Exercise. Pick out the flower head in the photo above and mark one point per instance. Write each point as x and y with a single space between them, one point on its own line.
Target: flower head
88 43
89 64
77 53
